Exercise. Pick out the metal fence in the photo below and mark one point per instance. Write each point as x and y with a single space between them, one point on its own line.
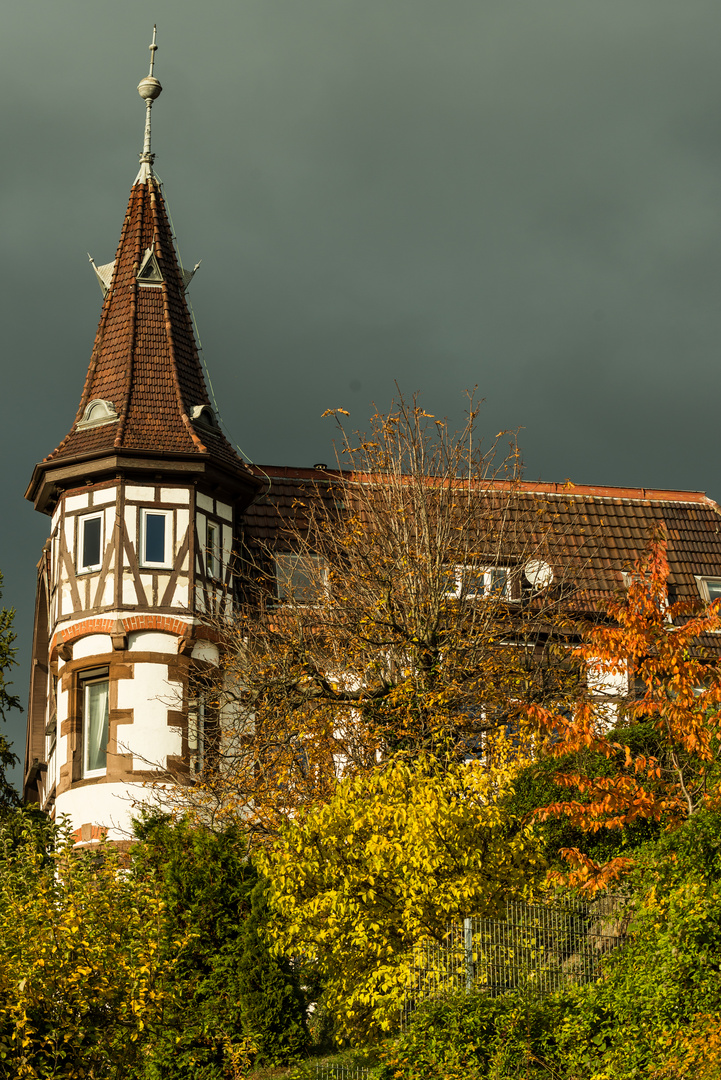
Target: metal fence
533 948
331 1071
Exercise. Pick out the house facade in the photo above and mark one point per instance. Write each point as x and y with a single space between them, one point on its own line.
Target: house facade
147 502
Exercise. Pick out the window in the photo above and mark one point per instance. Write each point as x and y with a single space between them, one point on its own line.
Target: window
472 582
212 550
94 688
302 579
90 542
709 587
155 537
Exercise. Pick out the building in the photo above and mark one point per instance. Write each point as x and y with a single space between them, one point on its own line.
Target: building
144 496
147 501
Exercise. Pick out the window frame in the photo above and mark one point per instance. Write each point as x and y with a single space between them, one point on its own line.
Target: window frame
83 519
213 552
322 564
702 583
86 679
457 570
167 562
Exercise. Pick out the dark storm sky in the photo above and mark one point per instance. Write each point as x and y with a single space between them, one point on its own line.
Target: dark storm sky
524 195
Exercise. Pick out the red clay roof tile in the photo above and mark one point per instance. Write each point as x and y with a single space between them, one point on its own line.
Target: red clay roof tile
145 360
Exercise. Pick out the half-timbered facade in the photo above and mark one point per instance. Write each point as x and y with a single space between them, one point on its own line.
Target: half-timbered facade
144 497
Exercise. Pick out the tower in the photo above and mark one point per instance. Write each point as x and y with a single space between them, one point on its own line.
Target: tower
144 494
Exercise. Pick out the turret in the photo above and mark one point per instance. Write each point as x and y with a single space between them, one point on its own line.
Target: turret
144 494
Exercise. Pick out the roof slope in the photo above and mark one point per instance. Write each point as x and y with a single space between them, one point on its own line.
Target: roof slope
144 360
591 535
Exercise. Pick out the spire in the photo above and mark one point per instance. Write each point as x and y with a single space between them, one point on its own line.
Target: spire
149 89
145 400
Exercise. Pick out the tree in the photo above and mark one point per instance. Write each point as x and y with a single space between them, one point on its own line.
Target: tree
389 613
384 865
84 983
670 660
232 995
8 701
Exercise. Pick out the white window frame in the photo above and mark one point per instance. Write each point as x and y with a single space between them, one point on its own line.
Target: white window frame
459 569
702 581
322 566
86 680
83 519
213 551
167 561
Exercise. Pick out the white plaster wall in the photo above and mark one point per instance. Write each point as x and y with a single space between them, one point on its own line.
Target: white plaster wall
92 645
206 650
180 596
110 805
604 682
182 518
108 591
152 641
129 593
56 516
224 511
77 502
227 544
149 738
204 502
109 521
174 495
140 494
69 527
131 520
200 523
147 580
107 495
66 600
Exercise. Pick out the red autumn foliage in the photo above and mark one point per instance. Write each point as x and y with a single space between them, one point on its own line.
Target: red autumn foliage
660 668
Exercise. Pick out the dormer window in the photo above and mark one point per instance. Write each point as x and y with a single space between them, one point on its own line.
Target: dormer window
300 578
97 413
473 582
149 272
204 417
709 588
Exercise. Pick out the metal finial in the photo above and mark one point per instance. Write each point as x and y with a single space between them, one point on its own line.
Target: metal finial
149 89
153 49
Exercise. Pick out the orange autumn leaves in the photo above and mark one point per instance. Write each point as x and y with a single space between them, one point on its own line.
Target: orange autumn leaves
663 665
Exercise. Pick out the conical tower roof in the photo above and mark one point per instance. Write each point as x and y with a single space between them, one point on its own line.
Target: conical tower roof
145 393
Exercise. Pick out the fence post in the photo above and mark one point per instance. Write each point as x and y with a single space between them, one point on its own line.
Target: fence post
468 945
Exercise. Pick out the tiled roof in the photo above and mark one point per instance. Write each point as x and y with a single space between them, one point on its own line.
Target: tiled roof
590 535
145 359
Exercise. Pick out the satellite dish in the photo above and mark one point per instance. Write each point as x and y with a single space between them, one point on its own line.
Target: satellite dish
538 573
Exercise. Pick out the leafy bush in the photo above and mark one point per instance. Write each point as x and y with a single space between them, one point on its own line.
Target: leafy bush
656 1011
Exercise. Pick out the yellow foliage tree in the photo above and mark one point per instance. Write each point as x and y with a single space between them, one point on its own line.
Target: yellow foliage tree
82 983
384 865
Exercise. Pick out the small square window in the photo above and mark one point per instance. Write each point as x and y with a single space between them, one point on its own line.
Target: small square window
90 542
300 579
155 537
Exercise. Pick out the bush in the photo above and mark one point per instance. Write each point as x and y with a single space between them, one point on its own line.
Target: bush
656 1011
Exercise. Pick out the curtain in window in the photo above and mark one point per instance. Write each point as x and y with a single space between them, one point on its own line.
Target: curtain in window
96 725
